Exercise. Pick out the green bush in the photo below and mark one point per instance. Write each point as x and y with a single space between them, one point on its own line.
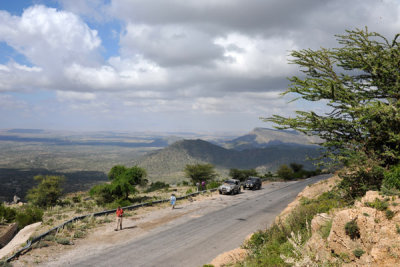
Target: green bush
47 192
391 178
79 234
213 184
63 241
7 215
102 193
189 191
49 238
156 186
378 204
28 215
185 183
389 214
356 184
76 199
358 252
352 230
285 172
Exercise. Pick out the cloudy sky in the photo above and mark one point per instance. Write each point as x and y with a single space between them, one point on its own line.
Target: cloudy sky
164 65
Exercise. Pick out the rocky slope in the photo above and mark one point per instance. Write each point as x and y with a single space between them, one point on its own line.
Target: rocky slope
377 242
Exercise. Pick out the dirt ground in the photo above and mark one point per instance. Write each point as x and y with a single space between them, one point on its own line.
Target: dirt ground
135 224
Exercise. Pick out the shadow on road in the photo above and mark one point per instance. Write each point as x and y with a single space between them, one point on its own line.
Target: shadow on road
129 227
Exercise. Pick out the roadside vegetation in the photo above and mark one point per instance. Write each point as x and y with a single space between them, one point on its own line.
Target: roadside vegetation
272 246
359 82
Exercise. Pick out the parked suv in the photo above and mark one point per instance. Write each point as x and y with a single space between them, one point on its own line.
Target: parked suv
252 183
231 186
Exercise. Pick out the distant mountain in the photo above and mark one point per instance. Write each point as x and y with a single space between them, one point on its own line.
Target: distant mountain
168 164
263 137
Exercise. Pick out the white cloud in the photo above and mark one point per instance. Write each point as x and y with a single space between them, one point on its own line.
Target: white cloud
74 96
213 60
170 45
50 39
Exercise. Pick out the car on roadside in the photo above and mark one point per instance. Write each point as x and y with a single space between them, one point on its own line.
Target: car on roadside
252 183
230 186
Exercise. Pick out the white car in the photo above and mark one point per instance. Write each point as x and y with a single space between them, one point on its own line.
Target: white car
231 186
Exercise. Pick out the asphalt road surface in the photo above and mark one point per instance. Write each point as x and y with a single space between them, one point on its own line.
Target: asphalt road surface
196 241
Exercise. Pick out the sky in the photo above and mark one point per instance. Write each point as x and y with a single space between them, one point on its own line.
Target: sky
165 65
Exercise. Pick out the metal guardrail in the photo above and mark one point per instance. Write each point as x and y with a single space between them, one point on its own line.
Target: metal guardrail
95 214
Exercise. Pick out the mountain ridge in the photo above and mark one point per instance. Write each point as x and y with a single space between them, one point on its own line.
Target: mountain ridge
168 163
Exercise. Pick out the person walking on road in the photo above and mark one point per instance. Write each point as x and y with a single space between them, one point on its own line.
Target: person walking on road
173 200
119 212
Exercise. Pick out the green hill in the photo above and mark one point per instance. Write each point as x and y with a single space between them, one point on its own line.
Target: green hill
168 164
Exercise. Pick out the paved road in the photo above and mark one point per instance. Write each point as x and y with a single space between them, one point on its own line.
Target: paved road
196 241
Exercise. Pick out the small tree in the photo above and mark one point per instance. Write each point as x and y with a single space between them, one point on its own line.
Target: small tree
47 192
116 171
242 175
296 167
285 172
123 182
200 172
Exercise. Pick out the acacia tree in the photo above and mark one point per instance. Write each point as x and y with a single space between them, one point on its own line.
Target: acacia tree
200 172
360 83
123 182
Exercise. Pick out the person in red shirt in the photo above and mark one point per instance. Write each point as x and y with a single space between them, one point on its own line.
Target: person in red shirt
119 212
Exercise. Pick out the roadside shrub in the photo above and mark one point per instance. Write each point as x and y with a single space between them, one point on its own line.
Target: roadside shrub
49 238
389 214
285 172
63 241
47 192
102 193
28 215
378 204
7 214
358 252
64 202
185 183
79 234
213 184
392 178
76 199
41 244
356 184
156 186
352 230
118 202
189 191
398 229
